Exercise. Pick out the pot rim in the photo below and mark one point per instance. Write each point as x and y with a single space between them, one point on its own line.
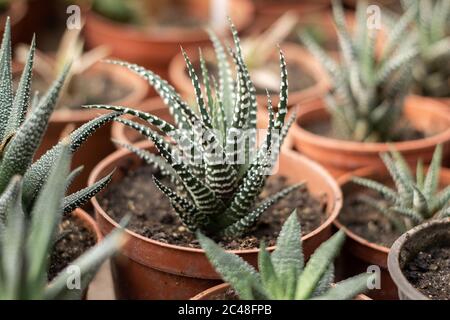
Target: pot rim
121 153
394 256
89 223
293 52
172 35
434 107
364 172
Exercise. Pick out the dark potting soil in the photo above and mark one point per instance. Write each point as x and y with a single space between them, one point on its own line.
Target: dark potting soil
153 216
74 239
229 294
429 272
404 131
367 222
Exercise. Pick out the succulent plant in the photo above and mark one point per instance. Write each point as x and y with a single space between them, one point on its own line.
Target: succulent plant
22 129
283 274
432 33
27 238
366 100
415 199
211 162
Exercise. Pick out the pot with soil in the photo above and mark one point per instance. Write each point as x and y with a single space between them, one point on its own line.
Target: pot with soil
102 83
426 126
127 135
163 260
419 262
371 232
79 233
153 42
225 292
307 80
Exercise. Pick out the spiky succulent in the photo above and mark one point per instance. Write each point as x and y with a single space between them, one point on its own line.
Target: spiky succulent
22 129
367 98
283 274
432 32
217 172
415 199
27 238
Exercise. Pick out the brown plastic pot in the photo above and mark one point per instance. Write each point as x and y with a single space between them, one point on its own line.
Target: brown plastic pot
339 156
358 253
272 10
90 224
431 234
16 12
217 291
294 55
98 145
148 269
123 133
155 48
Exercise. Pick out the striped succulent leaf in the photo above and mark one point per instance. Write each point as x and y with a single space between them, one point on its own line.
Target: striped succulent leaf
368 92
27 238
416 198
209 153
283 274
431 26
23 122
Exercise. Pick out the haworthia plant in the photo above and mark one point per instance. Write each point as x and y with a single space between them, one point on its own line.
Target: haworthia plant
284 274
26 241
368 92
22 129
416 198
217 175
432 32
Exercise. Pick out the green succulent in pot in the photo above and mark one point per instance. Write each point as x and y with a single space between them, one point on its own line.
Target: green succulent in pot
368 91
216 171
284 273
27 237
431 31
415 199
23 122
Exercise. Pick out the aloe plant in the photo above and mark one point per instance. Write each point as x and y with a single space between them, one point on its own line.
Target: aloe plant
415 199
213 167
27 238
284 274
432 33
22 128
367 97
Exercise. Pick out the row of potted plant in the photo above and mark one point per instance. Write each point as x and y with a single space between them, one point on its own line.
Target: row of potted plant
236 204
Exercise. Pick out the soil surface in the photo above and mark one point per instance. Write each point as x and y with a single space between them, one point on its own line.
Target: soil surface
74 240
230 294
367 222
153 216
429 272
404 131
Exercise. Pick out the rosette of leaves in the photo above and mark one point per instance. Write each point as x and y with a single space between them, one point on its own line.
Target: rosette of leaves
431 29
27 238
213 192
415 198
284 274
366 100
23 122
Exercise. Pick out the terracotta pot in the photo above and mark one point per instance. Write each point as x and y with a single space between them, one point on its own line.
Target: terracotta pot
153 49
90 224
148 269
98 145
271 10
16 12
358 253
212 293
339 156
128 135
294 55
431 234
